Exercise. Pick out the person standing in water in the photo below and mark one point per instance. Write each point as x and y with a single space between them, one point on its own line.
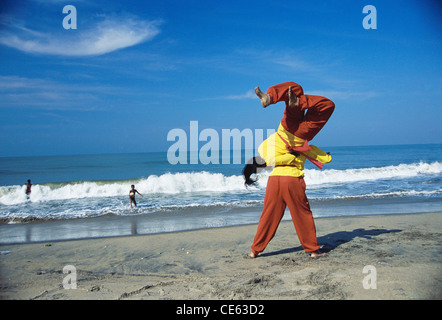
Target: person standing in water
132 195
28 189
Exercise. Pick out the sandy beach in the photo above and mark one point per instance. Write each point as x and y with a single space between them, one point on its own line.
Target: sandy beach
400 255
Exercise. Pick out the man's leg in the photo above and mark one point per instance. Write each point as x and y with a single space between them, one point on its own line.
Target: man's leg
306 127
297 202
319 110
271 216
265 98
278 93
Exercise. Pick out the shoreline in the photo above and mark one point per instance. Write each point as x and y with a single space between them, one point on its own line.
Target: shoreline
286 219
210 263
113 225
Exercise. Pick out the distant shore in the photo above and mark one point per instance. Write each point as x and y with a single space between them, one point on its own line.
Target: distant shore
368 257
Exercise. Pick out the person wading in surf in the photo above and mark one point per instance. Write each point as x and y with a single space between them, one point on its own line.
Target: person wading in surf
132 195
28 189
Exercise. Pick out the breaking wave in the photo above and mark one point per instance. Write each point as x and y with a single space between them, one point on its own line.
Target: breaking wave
204 182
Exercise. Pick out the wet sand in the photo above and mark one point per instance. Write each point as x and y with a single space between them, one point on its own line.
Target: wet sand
401 255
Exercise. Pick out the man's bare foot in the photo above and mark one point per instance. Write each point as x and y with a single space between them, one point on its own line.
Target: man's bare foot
252 255
317 254
293 99
265 99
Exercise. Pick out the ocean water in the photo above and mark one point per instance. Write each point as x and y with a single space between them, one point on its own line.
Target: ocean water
87 195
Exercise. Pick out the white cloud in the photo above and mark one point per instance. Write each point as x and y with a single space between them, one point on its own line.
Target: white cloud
43 94
107 36
248 95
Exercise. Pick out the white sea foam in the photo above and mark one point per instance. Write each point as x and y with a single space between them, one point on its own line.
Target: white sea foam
374 195
316 177
169 183
205 182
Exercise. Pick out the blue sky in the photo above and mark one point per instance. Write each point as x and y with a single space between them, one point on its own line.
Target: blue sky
134 70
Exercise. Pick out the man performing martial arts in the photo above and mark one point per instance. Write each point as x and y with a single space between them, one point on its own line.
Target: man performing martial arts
287 150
